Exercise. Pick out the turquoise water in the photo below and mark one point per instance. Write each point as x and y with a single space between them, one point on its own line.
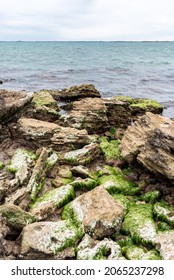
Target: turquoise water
138 69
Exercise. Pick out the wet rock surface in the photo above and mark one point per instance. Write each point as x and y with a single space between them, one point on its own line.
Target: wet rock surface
76 183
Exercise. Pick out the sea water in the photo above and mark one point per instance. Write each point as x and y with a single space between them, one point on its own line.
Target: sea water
136 69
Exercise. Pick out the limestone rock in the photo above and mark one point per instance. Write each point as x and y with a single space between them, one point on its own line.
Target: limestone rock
76 92
140 253
165 245
89 249
39 133
97 211
151 141
51 201
43 107
16 217
83 156
47 240
12 102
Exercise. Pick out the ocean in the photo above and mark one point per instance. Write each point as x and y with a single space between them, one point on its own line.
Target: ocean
136 69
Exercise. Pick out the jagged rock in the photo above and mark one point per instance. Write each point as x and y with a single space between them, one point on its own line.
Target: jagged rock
97 211
151 141
51 201
37 178
76 92
20 164
16 217
3 232
48 240
83 156
81 171
21 198
165 245
90 249
39 133
43 107
12 102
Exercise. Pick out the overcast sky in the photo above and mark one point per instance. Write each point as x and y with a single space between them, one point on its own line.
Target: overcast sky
86 20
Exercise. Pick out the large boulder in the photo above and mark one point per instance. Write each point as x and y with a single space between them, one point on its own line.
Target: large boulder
11 103
40 133
97 211
76 92
150 140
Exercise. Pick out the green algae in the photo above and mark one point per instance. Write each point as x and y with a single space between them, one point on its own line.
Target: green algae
2 165
110 149
164 212
134 252
143 103
118 184
122 200
84 184
162 226
51 161
151 196
44 98
59 197
139 223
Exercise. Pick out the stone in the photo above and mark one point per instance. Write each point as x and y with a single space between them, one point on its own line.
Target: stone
110 149
12 103
76 92
105 249
20 164
47 240
151 141
43 107
139 223
97 211
16 218
40 133
51 201
38 175
164 212
165 244
83 156
134 252
84 184
81 171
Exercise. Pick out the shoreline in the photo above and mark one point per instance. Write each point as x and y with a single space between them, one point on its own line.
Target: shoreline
97 180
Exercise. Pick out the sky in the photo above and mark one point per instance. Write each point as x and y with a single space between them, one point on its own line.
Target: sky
86 20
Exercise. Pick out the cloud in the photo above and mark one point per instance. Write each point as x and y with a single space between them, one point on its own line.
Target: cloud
87 20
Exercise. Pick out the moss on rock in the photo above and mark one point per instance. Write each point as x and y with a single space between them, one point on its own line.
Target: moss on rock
140 253
2 165
151 196
164 212
110 149
139 223
84 184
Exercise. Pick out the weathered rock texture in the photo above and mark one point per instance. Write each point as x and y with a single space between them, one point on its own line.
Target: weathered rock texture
99 213
150 140
11 103
76 92
165 244
40 133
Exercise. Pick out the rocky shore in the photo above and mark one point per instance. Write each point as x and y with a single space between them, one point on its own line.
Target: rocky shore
84 177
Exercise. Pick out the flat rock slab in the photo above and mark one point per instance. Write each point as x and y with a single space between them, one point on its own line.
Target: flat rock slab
12 102
46 240
41 133
99 213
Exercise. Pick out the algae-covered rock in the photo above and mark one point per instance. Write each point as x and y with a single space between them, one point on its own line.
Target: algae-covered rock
48 240
140 253
118 184
2 165
52 200
164 212
110 149
20 164
139 223
81 171
16 217
83 156
45 107
122 200
151 196
84 184
97 211
51 161
165 244
105 249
